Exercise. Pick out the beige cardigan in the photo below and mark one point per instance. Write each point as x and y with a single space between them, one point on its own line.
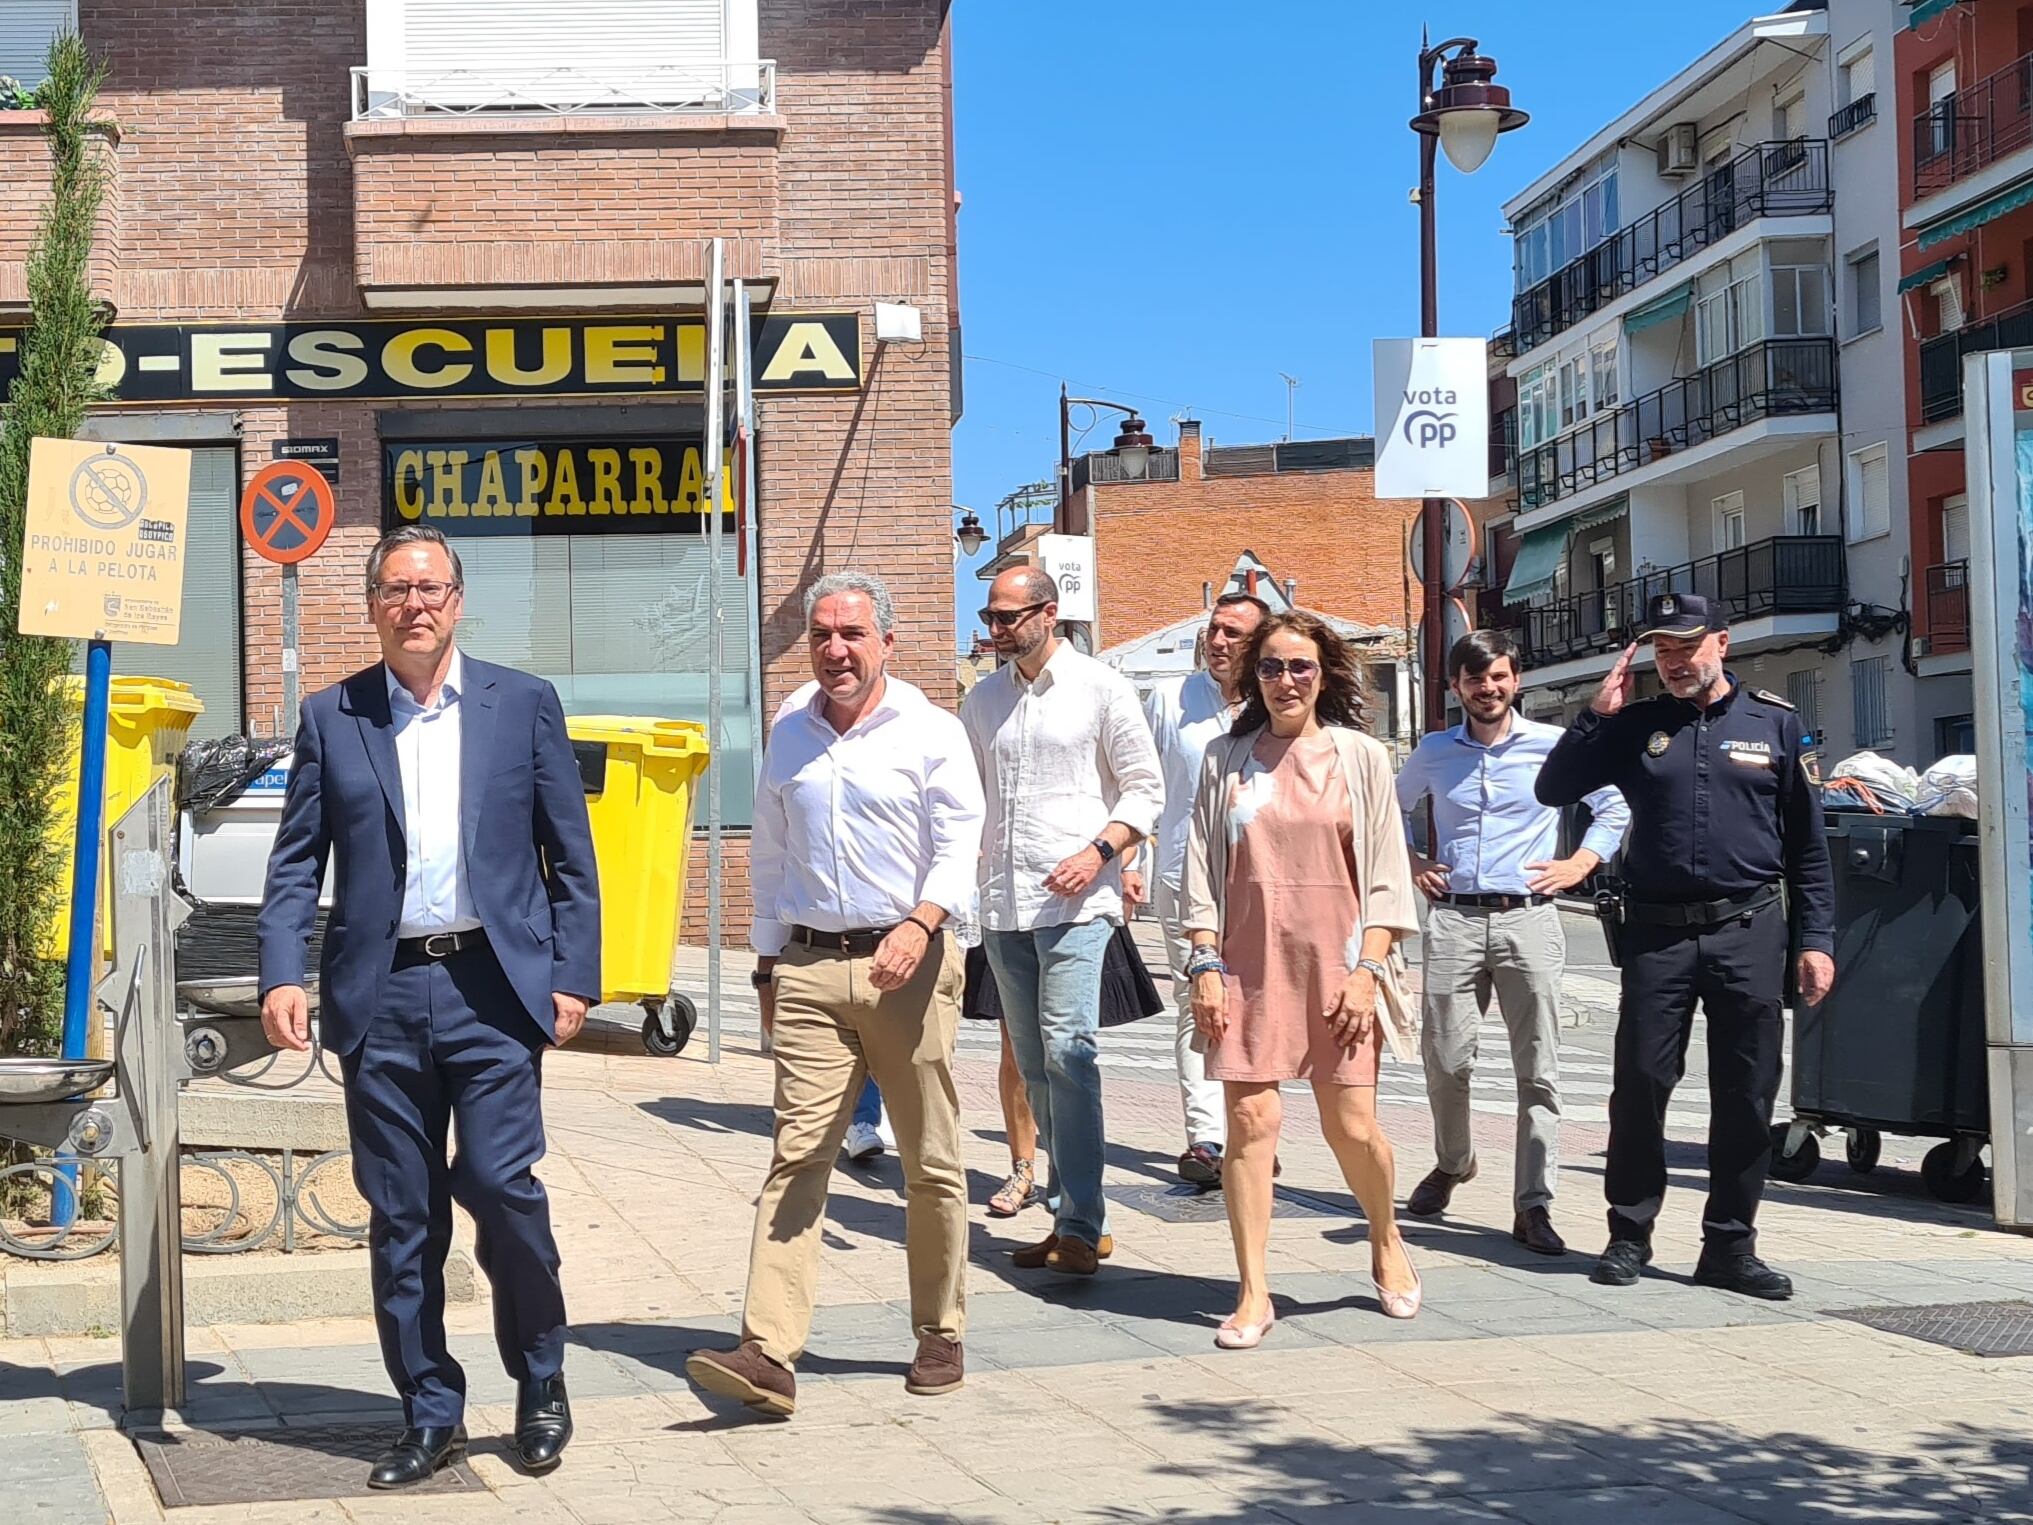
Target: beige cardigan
1383 871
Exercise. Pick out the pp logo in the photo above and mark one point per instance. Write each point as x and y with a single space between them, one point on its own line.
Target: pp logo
1430 430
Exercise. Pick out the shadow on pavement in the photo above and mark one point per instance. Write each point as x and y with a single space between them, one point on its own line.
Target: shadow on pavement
1528 1467
712 1116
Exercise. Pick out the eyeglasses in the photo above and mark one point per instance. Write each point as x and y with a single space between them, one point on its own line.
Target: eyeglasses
432 595
1302 669
1004 619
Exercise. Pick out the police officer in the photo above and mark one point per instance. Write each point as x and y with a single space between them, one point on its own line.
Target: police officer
1723 814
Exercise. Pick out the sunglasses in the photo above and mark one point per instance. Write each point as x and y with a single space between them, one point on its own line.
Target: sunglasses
1302 669
1004 619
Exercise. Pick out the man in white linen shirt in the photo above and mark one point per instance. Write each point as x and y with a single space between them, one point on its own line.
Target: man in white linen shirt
1072 780
867 827
1186 714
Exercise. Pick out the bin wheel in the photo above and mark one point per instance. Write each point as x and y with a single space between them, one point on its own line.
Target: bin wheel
1863 1148
684 1019
1799 1165
1944 1181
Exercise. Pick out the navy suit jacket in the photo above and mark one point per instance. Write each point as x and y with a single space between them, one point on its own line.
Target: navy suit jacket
528 847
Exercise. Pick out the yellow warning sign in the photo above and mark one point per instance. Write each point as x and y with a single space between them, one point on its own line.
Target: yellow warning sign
103 558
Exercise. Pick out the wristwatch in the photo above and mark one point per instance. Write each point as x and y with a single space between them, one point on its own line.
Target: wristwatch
1105 847
1376 969
762 979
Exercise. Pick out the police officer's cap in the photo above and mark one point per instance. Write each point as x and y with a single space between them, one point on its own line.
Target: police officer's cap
1685 615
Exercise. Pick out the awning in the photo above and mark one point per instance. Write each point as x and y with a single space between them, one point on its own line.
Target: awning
1606 513
1924 12
1537 560
1978 215
1664 310
1927 275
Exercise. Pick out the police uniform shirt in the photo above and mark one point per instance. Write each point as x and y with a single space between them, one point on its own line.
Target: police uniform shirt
1721 800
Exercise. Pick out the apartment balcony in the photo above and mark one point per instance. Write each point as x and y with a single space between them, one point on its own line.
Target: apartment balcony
1948 608
1105 466
1974 128
1785 575
1941 358
1776 378
1785 179
1859 113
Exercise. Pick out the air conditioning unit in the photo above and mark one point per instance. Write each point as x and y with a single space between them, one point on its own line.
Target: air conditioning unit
1679 151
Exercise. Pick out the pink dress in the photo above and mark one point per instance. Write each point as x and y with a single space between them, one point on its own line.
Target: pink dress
1293 921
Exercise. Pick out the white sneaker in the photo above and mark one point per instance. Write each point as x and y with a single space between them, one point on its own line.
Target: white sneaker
862 1143
884 1131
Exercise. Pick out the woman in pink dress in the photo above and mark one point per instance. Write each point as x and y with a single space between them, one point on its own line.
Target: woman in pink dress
1298 890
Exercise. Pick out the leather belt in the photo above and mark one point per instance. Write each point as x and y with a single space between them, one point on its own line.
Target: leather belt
441 945
1701 913
859 943
1497 902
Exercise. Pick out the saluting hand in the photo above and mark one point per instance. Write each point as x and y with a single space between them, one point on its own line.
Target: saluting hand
1618 685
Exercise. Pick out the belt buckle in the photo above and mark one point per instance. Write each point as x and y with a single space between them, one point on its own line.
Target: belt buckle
432 948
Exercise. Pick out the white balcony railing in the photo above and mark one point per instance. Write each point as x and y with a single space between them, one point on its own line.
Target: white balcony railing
723 86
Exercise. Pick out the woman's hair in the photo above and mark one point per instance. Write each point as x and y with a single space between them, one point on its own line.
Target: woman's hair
1342 700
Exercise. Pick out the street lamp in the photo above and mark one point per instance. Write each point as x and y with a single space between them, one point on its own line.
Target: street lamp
970 534
1132 448
1463 115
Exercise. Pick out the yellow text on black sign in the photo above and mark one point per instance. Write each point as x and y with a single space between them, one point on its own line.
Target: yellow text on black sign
538 487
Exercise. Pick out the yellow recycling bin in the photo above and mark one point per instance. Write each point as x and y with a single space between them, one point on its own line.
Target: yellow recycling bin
147 721
641 777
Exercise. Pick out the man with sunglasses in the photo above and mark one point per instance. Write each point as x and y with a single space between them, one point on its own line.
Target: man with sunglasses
1185 714
1072 781
463 942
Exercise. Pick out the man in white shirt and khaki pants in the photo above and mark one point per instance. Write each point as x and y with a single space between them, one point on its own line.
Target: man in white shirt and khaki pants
867 827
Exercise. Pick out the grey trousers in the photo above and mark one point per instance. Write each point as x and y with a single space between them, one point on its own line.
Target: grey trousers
1468 955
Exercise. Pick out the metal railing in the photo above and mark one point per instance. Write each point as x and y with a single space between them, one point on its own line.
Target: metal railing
1941 358
1781 179
1776 377
1975 126
1787 574
1106 466
1503 443
1948 608
1034 504
1503 344
1858 113
739 87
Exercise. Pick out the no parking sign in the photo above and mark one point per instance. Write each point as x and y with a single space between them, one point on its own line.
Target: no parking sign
286 513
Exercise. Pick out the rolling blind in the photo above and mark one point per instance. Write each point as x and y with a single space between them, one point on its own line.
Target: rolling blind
26 27
622 53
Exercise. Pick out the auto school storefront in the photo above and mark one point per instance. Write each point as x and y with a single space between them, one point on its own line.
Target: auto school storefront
563 457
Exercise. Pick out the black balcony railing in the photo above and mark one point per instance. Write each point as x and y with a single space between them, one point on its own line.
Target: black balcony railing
1941 358
1503 344
1948 608
1503 443
1788 574
1961 133
1779 376
1769 180
1858 113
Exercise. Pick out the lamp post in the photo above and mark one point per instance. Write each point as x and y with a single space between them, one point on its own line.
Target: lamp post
1132 448
1463 116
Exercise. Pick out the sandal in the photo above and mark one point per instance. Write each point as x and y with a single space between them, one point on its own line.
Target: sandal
1015 1194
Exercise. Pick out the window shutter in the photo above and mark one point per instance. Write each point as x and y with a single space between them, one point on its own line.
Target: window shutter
26 28
1955 529
1860 74
618 53
1873 494
1948 294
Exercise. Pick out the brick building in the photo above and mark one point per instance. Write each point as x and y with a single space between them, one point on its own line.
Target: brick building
464 267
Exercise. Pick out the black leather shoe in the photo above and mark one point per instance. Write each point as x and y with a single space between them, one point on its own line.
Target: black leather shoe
1430 1197
543 1423
1621 1263
416 1456
1743 1273
1534 1230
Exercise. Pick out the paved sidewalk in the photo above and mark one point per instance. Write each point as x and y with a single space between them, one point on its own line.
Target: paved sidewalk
1523 1393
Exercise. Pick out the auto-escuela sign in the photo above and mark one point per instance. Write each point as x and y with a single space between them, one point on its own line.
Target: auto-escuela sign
411 359
550 487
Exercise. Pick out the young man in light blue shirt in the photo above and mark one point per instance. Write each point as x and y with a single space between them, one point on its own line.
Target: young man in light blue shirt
1493 925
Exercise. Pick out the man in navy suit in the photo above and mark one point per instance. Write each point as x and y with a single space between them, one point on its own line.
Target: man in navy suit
464 940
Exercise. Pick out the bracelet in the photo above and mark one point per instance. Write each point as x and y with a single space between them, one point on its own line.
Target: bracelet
921 925
1207 962
1374 967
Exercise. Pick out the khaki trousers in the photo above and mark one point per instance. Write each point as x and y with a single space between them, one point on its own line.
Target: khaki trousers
833 1030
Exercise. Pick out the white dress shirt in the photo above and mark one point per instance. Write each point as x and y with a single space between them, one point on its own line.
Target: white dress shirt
435 894
1185 715
1061 758
1488 818
856 829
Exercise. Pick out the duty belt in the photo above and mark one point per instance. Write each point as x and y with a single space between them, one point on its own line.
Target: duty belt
1700 913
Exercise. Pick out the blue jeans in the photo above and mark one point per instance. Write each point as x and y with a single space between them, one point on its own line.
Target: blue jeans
1050 982
868 1110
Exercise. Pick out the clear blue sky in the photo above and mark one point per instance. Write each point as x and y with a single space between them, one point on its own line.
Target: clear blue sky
1170 204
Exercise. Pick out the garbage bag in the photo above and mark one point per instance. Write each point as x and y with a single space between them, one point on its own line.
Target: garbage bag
1878 779
214 773
1949 788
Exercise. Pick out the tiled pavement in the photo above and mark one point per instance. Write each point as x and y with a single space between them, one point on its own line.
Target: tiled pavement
1523 1393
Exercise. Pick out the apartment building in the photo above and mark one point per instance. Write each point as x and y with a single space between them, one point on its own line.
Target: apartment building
1708 396
463 267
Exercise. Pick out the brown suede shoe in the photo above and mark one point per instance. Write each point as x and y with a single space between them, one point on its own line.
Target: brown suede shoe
1431 1196
1534 1230
939 1367
746 1375
1033 1257
1073 1256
